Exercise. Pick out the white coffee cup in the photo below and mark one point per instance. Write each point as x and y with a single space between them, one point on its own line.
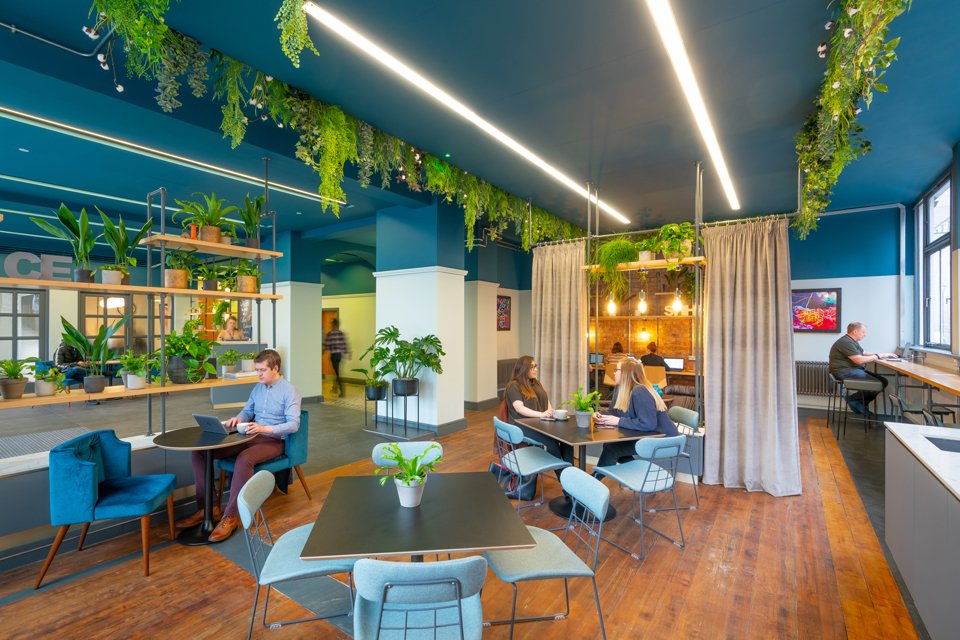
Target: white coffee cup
560 414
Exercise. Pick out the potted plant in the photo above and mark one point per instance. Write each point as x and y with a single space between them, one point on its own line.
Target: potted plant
375 386
228 235
179 271
187 354
246 361
584 406
228 361
609 256
646 248
13 381
675 241
221 311
136 367
48 381
209 215
95 353
250 214
409 474
80 236
408 357
116 236
248 276
209 275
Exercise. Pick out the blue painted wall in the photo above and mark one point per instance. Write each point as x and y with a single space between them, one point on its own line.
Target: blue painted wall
512 269
427 236
853 245
300 263
346 279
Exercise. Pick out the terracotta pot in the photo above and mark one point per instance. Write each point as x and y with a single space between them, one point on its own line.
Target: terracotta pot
410 495
12 389
175 278
94 384
111 276
247 284
686 247
226 240
210 234
44 388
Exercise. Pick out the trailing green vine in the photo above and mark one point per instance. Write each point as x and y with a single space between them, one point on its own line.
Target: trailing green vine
140 25
831 138
294 35
181 56
230 88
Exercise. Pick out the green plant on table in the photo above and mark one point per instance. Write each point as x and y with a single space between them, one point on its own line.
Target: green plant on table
96 352
119 240
228 357
138 365
209 213
45 373
76 231
13 369
193 348
409 471
584 402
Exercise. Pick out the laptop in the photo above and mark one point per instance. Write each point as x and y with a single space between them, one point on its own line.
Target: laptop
674 364
594 358
211 424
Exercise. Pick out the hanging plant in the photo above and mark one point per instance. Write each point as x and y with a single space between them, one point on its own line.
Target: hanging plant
230 88
181 57
294 36
139 24
364 154
831 138
609 256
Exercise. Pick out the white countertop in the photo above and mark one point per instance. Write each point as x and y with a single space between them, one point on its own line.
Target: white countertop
944 465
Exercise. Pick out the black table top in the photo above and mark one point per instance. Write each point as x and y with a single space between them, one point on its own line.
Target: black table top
196 439
568 432
459 513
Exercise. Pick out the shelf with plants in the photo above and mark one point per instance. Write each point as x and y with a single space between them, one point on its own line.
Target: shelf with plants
209 248
652 265
96 287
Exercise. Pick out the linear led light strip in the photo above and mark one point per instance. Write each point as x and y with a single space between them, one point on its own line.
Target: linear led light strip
673 43
126 145
365 45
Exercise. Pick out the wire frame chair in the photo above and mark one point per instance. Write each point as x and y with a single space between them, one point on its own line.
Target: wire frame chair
523 460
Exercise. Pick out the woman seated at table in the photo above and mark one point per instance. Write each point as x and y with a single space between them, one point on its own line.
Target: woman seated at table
230 331
636 406
526 398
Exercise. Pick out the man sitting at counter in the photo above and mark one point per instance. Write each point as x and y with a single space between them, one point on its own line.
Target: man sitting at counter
848 361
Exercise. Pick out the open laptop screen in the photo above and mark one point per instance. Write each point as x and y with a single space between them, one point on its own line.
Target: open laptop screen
675 364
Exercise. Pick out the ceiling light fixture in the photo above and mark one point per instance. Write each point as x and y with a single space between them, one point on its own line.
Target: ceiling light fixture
368 47
673 43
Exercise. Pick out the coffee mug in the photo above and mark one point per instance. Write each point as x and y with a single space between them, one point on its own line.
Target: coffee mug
560 414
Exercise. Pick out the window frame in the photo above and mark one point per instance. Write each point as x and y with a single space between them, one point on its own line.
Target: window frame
43 331
129 336
927 250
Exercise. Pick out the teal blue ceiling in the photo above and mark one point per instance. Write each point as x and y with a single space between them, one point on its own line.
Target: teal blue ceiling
584 84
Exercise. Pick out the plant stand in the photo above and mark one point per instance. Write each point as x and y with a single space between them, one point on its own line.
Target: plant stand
392 422
376 421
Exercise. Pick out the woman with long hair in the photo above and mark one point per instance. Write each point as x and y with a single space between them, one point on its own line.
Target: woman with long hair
635 406
526 398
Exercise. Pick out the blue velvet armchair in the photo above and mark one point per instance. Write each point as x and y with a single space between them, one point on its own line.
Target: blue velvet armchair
90 480
294 454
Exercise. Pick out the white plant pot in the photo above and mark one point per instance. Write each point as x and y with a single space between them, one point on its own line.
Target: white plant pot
227 368
645 256
246 365
583 419
45 388
135 382
410 496
110 276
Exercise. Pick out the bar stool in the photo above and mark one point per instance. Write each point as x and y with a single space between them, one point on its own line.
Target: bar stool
833 408
855 385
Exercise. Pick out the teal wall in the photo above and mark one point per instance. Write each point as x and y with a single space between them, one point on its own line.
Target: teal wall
512 269
346 279
408 238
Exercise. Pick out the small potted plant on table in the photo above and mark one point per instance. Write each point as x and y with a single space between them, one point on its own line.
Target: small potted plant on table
48 381
95 353
409 474
13 381
136 367
80 236
584 405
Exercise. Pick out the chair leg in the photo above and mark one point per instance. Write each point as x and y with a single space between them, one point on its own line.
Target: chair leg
223 480
253 613
145 541
303 481
57 541
173 532
83 535
596 595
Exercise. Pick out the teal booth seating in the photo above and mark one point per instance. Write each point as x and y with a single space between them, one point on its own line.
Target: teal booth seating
90 480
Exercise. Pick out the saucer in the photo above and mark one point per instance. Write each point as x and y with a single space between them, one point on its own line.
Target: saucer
561 419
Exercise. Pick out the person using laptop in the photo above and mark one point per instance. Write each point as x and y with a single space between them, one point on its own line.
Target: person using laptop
271 412
652 358
848 361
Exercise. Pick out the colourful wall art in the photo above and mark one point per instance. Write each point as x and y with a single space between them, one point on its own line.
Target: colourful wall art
816 310
503 313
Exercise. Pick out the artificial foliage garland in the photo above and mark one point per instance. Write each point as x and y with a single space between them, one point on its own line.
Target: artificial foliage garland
294 35
831 137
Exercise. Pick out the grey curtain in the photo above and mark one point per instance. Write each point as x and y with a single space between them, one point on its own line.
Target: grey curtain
749 393
559 318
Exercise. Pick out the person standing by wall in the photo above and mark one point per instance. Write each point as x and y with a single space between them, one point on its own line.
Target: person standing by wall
336 344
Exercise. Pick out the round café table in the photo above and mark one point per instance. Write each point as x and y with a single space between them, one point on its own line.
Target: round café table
196 439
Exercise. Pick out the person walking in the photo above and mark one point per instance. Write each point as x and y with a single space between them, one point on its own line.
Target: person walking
336 344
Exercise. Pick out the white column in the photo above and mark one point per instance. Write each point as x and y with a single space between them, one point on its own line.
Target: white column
299 333
480 329
419 302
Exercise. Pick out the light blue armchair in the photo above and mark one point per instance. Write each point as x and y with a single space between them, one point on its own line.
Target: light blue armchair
90 480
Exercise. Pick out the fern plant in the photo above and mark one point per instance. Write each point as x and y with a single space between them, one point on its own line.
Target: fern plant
294 35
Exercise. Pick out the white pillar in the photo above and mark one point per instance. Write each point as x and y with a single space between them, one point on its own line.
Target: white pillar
480 339
299 333
419 302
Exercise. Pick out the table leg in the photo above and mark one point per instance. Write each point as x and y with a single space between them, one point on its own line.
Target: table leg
562 505
195 536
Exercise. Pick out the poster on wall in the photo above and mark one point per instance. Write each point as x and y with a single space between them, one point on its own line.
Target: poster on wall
503 313
816 310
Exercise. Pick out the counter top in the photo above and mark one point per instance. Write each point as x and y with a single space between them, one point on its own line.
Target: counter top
944 465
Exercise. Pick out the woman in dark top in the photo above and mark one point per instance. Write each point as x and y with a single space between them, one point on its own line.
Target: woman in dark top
635 406
526 398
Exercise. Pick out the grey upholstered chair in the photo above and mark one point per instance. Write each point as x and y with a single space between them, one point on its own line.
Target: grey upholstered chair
525 461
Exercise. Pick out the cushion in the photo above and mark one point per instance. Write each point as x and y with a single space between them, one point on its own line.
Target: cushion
532 460
633 475
551 558
88 449
133 496
284 561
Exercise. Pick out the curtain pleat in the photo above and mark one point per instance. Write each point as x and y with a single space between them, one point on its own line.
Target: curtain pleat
559 318
750 406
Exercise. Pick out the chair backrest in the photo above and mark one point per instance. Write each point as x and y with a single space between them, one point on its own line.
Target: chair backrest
656 375
585 524
509 433
409 450
897 403
419 588
76 469
684 416
295 445
663 455
931 418
255 530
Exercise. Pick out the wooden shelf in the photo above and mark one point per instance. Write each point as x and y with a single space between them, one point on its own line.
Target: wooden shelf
95 287
649 264
644 317
211 248
117 391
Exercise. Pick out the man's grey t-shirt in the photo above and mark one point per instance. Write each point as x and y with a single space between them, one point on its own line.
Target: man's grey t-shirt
840 354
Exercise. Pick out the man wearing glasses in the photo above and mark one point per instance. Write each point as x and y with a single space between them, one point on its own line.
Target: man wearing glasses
272 412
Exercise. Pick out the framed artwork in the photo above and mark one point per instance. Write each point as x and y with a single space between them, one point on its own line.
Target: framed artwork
816 310
503 313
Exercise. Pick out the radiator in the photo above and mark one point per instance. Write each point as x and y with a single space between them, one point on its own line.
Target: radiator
812 378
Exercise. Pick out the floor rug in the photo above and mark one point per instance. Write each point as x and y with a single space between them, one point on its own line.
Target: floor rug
27 443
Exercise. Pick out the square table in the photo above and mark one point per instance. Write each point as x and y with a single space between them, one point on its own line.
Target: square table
459 513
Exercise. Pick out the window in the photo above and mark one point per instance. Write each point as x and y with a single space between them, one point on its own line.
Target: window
23 321
934 211
97 310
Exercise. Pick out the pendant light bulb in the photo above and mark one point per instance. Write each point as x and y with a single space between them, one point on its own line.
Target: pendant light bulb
642 305
644 335
677 302
611 307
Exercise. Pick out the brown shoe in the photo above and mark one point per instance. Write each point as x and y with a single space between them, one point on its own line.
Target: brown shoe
225 529
195 519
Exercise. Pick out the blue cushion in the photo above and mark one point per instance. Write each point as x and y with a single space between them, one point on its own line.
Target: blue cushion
133 496
284 561
551 558
532 460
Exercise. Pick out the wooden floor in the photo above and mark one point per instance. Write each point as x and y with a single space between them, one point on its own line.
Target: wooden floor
754 567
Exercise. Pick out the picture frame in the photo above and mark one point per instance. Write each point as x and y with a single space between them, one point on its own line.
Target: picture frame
816 310
503 313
